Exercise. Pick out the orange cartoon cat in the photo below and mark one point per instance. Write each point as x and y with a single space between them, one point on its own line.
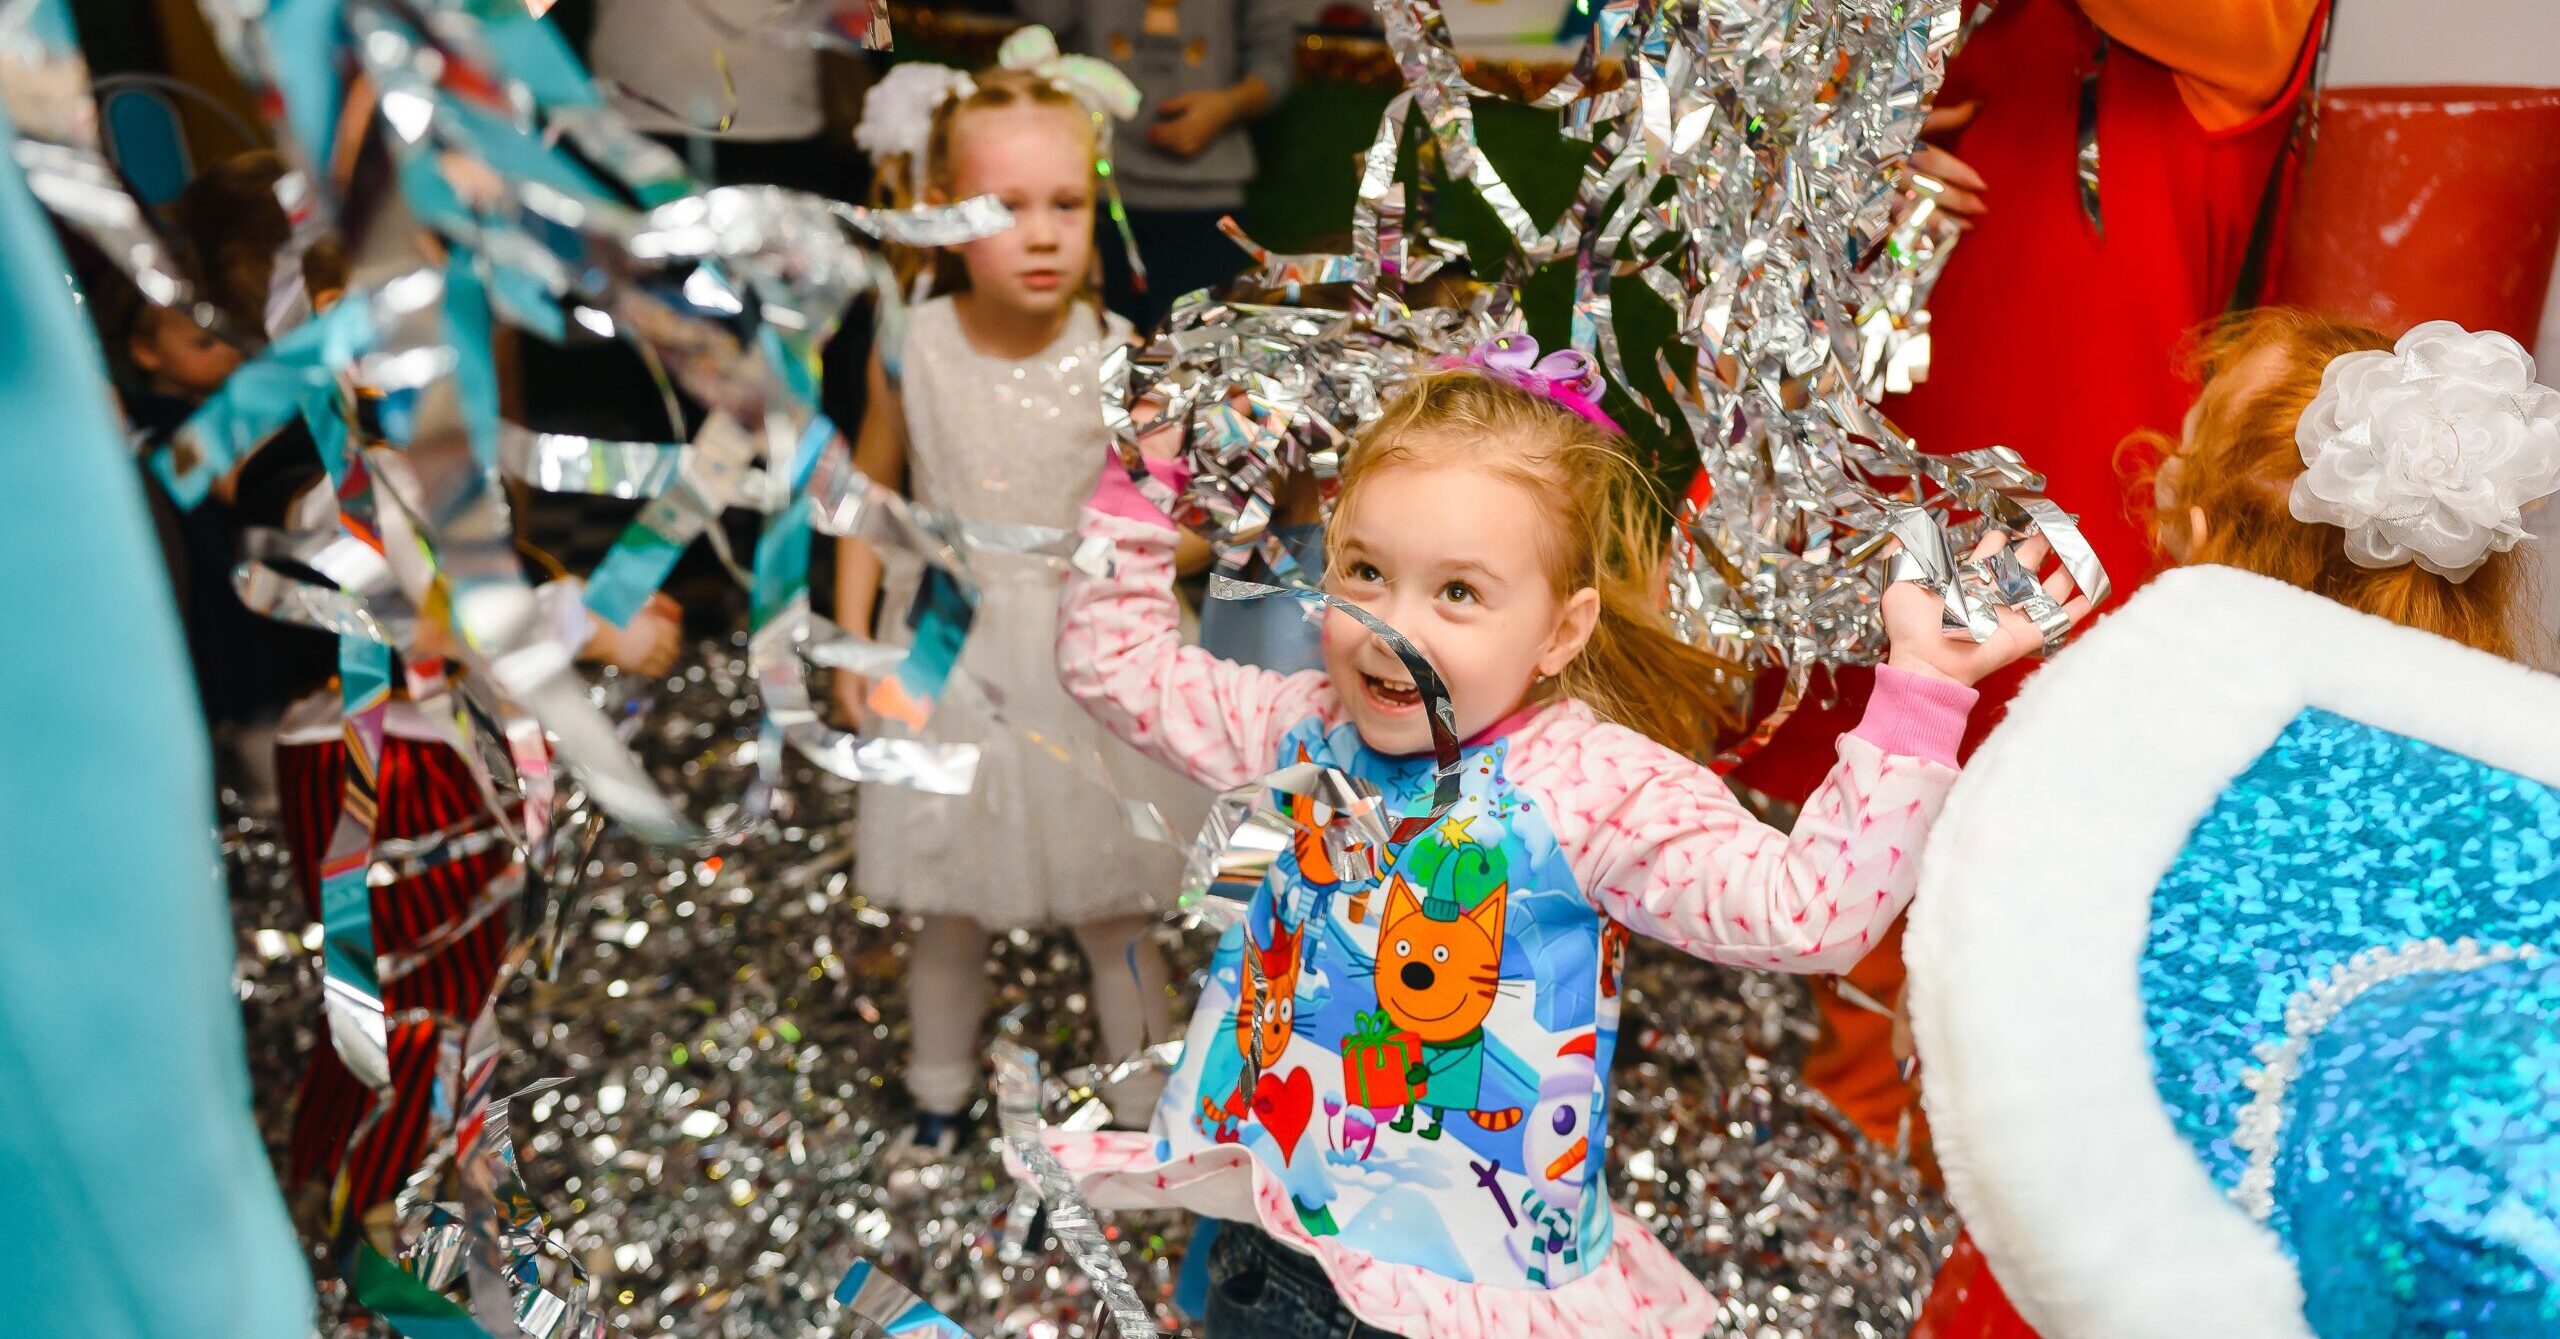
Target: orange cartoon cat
1266 1012
1439 971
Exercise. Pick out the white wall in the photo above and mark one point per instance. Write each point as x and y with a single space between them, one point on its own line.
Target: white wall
2446 42
2454 42
2468 42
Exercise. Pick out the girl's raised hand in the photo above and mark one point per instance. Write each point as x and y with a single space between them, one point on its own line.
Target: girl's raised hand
1159 438
647 646
851 693
1913 627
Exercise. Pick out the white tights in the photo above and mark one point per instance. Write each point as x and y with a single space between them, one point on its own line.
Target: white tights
947 1004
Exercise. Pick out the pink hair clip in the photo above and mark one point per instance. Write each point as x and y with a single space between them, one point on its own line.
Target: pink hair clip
1565 376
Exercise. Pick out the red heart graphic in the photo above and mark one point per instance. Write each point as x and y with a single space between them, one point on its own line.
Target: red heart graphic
1283 1105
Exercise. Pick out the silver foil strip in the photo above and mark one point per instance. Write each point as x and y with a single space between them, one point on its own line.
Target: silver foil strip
1426 681
1071 1220
565 463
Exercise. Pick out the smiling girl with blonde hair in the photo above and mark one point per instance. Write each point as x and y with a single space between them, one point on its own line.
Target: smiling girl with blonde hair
1410 1141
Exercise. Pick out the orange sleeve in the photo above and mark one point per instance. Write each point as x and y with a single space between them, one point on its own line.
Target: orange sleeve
2232 58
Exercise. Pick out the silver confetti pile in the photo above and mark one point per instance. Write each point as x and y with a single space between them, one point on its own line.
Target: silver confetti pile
731 1029
1800 1225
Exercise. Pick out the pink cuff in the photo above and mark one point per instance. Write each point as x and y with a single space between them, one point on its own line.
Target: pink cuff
1115 495
1916 716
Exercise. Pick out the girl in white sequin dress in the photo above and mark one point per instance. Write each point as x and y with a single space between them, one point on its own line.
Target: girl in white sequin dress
992 414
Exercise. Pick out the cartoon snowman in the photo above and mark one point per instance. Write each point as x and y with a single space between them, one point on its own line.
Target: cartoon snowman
1559 1148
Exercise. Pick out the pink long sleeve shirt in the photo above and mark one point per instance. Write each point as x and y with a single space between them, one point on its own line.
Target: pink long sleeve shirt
1408 1078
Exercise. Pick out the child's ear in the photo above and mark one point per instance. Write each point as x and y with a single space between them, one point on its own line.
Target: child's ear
144 352
1574 625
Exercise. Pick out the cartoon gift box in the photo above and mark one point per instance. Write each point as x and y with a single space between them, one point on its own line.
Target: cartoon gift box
1376 1057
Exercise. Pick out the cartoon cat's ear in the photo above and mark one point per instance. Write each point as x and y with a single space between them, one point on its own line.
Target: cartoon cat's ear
1487 914
1400 900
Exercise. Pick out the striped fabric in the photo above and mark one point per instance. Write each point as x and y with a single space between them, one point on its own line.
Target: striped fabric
422 788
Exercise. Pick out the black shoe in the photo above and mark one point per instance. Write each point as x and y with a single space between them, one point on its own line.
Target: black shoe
937 1132
924 1160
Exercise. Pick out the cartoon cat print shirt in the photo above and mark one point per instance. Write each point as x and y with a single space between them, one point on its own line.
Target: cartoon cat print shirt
1421 1061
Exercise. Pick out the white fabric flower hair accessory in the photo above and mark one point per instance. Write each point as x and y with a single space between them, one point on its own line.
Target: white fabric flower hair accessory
897 114
2429 453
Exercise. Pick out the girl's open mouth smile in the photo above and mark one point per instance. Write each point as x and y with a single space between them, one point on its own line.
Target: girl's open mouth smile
1391 696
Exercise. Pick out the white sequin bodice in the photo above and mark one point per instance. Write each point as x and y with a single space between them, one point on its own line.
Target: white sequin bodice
996 439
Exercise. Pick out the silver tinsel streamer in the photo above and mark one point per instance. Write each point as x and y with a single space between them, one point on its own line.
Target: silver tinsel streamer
1750 172
731 290
1264 394
1765 205
1018 1094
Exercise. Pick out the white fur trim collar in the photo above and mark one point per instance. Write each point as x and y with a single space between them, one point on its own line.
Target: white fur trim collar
2034 906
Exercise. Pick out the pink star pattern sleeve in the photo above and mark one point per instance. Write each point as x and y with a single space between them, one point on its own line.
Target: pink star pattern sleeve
1120 653
1665 848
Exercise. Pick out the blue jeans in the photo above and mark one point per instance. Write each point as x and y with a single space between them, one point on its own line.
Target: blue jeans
1260 1289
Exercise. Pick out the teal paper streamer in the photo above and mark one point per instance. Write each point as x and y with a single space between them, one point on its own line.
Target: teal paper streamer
782 562
533 51
893 1306
346 902
782 551
305 35
632 571
466 324
288 378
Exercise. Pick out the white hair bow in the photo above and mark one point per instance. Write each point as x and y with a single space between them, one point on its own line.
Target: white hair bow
2429 453
897 114
1095 83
